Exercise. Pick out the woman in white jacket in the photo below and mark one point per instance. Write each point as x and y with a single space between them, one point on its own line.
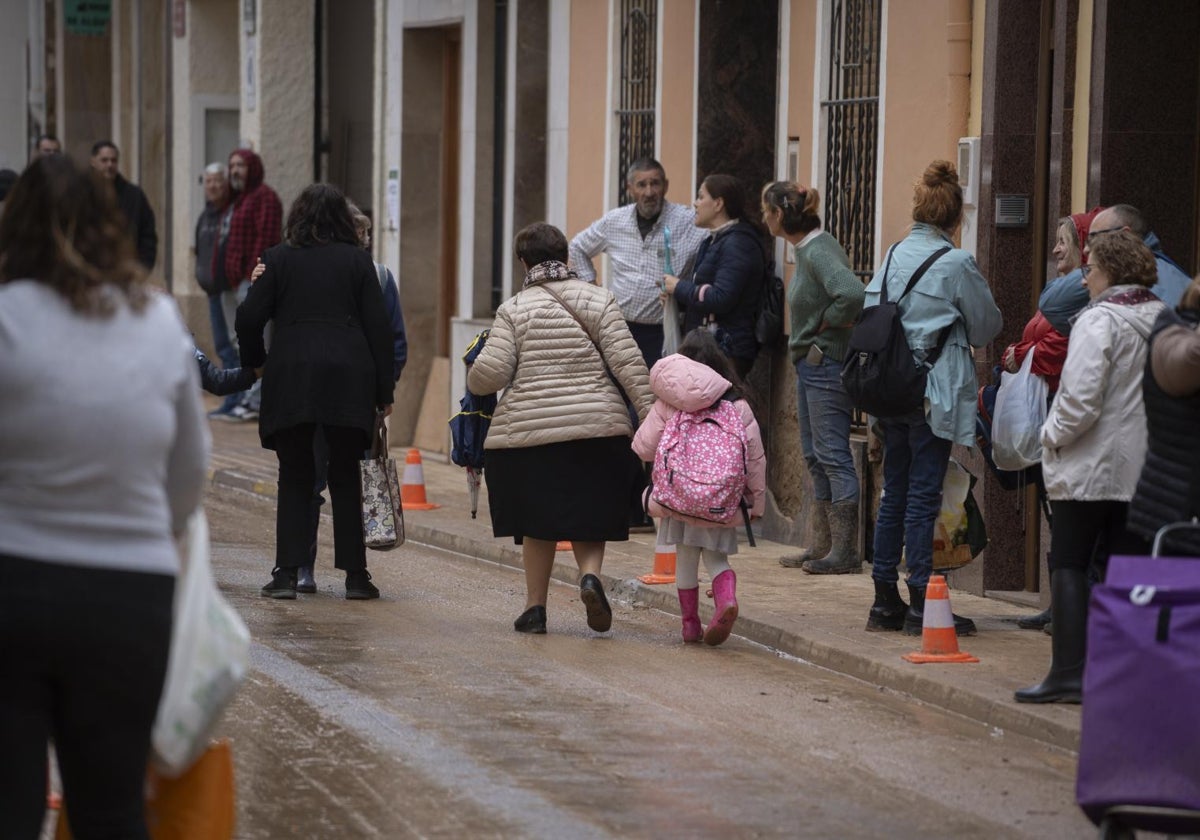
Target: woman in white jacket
556 458
1094 443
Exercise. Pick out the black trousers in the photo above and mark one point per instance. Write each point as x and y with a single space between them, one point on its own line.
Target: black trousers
84 656
1089 532
297 476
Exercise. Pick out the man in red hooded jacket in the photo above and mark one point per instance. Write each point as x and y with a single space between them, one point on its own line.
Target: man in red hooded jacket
255 223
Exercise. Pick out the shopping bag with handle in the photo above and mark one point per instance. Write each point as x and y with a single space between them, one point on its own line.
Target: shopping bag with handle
209 658
382 511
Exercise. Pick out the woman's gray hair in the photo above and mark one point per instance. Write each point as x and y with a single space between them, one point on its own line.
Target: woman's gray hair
215 169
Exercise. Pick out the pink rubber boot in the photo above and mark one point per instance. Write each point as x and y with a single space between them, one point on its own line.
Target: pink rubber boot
725 608
689 603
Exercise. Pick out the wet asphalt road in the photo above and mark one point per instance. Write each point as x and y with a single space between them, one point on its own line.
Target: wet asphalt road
424 715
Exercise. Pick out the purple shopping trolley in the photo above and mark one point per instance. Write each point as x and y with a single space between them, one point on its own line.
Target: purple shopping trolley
1139 752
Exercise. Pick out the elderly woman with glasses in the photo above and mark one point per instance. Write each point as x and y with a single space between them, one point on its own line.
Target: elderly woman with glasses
1094 443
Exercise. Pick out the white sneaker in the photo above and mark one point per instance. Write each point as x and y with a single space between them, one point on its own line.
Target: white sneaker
240 413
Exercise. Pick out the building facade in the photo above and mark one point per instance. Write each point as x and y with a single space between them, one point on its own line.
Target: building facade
456 122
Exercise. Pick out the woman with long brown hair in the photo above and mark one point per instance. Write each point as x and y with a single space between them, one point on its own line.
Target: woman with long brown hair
103 446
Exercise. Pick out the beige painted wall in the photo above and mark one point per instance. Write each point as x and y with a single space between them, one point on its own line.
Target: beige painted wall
978 30
926 96
588 120
281 124
205 63
803 61
213 26
1080 128
678 99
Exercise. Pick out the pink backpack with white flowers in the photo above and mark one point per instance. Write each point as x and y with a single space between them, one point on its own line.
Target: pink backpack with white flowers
700 464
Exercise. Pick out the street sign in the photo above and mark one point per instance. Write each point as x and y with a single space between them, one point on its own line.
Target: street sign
86 17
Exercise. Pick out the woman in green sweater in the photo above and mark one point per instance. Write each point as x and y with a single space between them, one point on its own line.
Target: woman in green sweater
824 299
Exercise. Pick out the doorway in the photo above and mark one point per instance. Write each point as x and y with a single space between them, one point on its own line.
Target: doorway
216 127
429 209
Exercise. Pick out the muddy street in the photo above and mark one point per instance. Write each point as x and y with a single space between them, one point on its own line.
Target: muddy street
424 715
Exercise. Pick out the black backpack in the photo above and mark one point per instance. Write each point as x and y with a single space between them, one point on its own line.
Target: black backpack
880 374
768 323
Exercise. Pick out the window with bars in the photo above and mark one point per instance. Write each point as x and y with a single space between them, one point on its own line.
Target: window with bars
851 111
636 87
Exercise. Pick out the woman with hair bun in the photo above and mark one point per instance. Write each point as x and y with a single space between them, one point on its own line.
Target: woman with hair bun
825 297
950 308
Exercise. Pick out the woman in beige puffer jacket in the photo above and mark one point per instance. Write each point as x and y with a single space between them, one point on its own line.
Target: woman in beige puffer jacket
556 457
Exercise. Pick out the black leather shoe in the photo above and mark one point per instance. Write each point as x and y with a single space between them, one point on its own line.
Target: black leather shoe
599 613
282 586
533 620
304 580
1035 622
359 586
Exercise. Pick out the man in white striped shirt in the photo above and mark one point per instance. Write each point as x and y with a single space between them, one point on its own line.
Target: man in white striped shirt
633 238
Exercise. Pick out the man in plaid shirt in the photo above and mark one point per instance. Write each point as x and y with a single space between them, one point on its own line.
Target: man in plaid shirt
633 239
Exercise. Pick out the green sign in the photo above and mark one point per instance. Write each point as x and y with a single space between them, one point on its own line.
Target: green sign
86 17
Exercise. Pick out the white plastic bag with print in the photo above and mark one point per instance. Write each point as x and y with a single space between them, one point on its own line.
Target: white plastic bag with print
210 650
1018 416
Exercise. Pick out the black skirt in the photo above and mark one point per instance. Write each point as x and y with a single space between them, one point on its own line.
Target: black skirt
575 490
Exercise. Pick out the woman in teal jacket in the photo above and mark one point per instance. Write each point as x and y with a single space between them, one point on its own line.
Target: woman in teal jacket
951 297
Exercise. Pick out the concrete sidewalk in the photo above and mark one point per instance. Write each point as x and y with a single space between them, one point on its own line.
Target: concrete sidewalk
815 618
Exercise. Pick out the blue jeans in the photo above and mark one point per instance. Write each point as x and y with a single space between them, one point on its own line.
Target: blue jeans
224 344
914 467
220 333
825 414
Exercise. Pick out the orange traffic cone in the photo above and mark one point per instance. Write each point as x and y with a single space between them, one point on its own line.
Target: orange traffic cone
412 487
664 562
563 545
939 642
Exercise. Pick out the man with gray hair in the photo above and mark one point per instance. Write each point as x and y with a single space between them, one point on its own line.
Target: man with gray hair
210 272
1062 299
634 237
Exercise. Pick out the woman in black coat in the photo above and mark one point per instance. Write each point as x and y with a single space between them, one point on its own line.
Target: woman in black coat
1168 490
730 271
329 371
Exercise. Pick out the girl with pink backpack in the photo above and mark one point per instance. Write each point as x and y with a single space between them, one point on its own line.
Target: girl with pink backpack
709 467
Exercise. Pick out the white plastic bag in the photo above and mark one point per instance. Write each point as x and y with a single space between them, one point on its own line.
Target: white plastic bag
1018 416
210 651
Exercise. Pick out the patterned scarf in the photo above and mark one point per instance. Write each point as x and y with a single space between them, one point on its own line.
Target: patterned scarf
1127 295
547 272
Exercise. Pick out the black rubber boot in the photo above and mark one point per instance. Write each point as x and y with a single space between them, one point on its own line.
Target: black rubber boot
842 558
915 620
305 582
1069 600
888 611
